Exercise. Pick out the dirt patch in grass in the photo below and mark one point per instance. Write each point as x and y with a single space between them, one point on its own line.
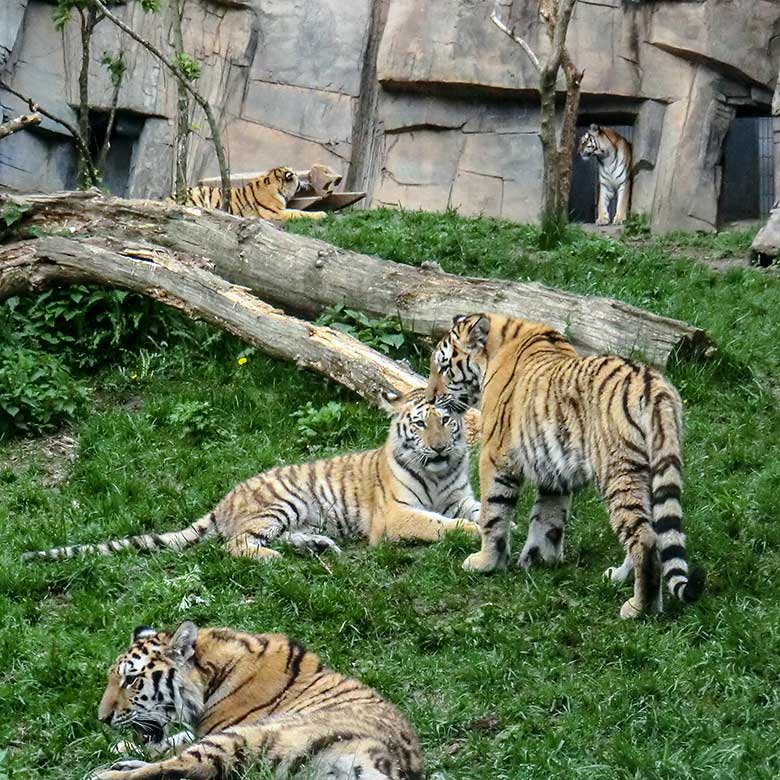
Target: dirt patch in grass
52 454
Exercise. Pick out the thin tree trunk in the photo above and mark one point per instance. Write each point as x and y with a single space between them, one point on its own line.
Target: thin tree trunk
216 137
305 275
568 133
101 164
181 143
89 20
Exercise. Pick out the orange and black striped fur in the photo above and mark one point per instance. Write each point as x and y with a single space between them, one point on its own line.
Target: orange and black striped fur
249 697
613 153
416 486
265 196
560 421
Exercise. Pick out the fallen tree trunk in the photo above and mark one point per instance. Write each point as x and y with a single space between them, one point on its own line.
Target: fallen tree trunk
306 275
31 266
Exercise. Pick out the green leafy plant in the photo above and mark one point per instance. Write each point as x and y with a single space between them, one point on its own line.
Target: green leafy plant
37 392
636 226
386 335
193 418
320 426
116 67
86 325
188 67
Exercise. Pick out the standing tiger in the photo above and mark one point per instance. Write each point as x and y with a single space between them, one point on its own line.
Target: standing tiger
561 420
613 154
416 486
265 196
250 697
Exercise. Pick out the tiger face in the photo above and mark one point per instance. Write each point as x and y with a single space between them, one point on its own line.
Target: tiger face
458 363
284 180
153 684
426 432
592 143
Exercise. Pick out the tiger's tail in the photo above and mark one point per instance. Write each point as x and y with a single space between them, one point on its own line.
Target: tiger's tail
202 528
665 493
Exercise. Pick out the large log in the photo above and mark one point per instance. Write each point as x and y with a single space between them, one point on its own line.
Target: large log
306 275
179 281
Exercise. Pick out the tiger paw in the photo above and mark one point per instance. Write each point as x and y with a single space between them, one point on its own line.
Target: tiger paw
602 221
128 765
628 610
467 526
479 562
314 543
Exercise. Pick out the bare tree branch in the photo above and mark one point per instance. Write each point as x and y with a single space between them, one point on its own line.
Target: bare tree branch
197 97
26 120
511 32
79 141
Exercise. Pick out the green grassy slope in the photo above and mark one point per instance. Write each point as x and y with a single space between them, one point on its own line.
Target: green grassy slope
518 675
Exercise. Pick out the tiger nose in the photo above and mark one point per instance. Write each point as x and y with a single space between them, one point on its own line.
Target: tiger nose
440 449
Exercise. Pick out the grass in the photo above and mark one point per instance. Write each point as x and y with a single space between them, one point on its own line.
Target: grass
517 675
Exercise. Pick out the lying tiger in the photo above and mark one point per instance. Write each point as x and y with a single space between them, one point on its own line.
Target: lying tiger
265 196
416 486
250 697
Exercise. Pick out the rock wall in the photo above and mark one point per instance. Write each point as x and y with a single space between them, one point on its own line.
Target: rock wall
439 105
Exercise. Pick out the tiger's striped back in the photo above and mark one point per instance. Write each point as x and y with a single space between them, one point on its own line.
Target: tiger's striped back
561 420
249 695
265 196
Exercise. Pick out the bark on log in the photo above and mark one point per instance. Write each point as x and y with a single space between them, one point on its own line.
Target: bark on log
306 275
14 125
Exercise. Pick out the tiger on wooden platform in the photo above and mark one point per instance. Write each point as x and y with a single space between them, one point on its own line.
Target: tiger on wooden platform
613 154
416 486
561 420
265 196
250 697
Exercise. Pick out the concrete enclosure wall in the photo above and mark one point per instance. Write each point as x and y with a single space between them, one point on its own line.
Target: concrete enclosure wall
425 104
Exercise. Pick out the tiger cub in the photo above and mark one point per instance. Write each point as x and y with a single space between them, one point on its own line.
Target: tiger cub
318 180
561 420
416 486
250 697
613 153
265 196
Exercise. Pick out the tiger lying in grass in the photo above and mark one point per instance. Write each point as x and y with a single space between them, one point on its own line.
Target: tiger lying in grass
416 486
249 697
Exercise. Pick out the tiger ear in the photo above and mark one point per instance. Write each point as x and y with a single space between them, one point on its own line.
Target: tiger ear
595 128
141 632
389 401
479 333
183 639
458 318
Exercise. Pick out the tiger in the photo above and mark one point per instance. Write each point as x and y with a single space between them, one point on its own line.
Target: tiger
560 421
613 153
318 180
415 486
265 196
249 698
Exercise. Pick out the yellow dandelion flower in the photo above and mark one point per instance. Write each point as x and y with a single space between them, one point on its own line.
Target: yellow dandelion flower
133 376
242 360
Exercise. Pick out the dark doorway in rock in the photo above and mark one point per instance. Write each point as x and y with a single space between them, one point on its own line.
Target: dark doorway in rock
124 136
747 184
584 194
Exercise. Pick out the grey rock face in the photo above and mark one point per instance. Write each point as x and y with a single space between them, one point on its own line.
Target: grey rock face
455 123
